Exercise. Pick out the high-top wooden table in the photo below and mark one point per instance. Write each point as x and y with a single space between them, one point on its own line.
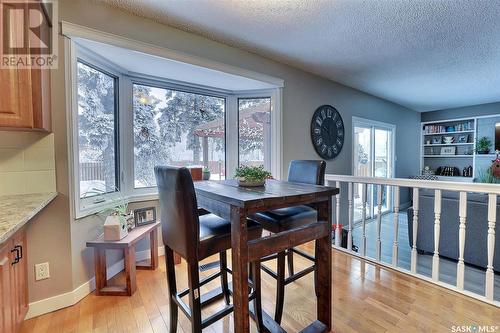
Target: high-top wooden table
229 201
127 244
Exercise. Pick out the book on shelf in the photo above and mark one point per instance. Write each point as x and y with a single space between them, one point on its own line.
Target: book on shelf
441 129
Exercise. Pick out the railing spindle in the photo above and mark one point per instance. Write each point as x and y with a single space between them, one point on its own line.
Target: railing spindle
337 216
351 213
363 217
368 198
437 229
492 218
461 240
379 221
415 229
396 227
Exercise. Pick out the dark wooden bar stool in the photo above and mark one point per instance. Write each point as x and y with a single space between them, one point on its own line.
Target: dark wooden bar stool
196 237
283 219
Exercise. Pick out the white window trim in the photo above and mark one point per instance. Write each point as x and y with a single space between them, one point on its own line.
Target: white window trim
356 121
83 207
126 172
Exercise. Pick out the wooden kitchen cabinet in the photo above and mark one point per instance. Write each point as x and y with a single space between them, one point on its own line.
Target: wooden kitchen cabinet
25 95
6 309
13 283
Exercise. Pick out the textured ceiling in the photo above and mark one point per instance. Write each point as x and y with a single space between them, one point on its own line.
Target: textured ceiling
423 54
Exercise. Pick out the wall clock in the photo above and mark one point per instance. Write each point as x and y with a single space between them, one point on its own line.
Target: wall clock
327 132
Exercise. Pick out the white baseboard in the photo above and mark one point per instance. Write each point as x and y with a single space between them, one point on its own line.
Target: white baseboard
57 302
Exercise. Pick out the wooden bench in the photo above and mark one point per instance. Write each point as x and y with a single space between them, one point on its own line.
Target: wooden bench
126 244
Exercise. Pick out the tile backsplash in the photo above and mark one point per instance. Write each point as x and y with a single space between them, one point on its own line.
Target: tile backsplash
27 163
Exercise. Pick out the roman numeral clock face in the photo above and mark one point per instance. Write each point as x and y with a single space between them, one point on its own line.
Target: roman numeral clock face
327 132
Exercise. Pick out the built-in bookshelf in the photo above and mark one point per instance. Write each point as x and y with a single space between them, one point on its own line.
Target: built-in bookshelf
447 148
459 150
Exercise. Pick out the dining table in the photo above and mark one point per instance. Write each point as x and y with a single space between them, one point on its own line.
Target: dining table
235 203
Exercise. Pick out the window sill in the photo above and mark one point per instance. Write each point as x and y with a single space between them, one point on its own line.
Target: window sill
128 199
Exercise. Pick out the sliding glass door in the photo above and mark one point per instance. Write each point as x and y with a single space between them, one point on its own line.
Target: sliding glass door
373 156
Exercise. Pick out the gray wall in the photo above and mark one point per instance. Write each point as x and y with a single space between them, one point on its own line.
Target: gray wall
302 94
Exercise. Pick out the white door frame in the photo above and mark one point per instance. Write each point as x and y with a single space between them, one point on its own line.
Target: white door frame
373 125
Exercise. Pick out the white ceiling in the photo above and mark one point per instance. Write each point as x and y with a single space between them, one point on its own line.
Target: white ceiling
134 62
423 54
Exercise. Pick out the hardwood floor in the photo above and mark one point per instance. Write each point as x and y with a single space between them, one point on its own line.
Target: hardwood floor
366 299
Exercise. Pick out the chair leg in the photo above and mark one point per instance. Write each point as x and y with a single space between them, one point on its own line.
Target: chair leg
172 288
257 302
194 297
315 269
223 276
280 288
289 257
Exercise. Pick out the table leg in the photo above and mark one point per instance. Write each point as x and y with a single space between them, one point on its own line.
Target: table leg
324 267
100 269
240 269
153 243
130 276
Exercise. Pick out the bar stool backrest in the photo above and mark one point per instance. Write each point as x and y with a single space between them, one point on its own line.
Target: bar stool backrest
179 210
307 171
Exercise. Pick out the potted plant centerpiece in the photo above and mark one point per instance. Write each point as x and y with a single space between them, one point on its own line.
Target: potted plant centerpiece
206 173
252 176
483 145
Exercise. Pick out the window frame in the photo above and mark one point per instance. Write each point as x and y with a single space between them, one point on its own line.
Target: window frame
129 150
270 112
125 154
276 157
94 204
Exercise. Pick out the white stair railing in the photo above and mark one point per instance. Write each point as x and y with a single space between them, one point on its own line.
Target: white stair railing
437 230
492 217
363 218
491 190
461 241
396 226
414 230
337 216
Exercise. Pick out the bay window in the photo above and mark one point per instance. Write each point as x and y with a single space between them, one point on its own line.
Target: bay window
173 127
124 123
254 131
97 131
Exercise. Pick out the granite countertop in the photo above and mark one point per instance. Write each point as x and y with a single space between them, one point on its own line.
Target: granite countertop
17 210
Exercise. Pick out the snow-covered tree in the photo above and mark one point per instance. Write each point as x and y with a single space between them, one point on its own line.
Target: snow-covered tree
96 120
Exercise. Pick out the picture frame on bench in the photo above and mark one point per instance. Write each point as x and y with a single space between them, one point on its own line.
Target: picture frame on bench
144 216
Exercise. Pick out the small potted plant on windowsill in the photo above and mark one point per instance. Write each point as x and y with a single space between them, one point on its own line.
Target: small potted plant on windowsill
252 176
206 173
483 145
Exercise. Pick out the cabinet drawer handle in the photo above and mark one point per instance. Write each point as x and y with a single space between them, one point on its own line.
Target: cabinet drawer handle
20 251
16 259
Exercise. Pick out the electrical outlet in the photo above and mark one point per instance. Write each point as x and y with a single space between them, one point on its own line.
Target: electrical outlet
42 271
